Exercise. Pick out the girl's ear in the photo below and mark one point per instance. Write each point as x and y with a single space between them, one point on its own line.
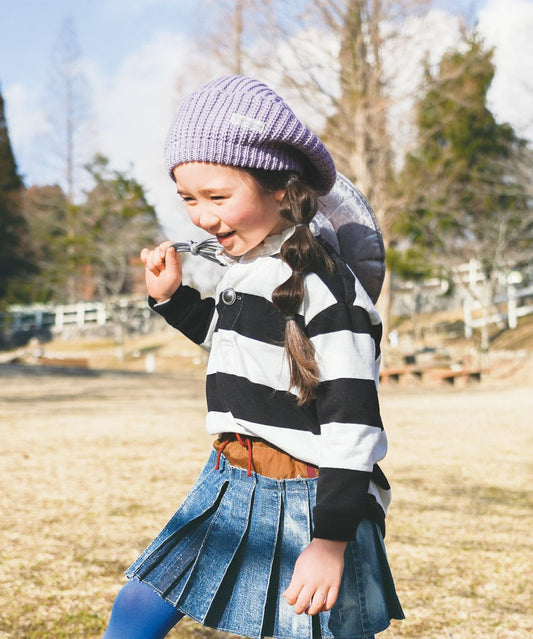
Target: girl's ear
279 194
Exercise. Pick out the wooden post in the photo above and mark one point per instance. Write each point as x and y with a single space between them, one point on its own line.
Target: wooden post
467 318
80 314
101 315
512 316
59 317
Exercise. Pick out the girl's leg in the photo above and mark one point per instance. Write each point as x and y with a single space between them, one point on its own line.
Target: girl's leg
140 613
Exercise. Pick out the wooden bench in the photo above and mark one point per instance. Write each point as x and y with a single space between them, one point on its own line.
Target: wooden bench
393 374
450 375
64 362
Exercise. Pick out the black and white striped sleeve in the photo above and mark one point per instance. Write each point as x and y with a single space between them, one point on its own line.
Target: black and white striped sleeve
189 313
352 437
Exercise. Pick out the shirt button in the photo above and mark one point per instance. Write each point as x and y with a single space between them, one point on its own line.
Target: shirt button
229 296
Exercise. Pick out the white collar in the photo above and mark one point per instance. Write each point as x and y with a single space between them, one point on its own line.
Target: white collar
270 246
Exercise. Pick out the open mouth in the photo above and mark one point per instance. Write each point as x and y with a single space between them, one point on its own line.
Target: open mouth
223 236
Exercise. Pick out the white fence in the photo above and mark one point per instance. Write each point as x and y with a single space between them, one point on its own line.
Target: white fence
56 318
135 312
513 309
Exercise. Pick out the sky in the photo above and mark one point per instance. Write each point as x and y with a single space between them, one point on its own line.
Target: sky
137 56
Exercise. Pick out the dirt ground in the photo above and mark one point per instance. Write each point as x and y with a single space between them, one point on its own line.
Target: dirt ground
92 465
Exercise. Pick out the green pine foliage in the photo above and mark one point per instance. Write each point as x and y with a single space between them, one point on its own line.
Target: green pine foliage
54 250
46 210
88 250
9 177
120 222
15 264
462 188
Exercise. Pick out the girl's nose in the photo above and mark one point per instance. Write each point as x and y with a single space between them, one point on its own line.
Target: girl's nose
206 220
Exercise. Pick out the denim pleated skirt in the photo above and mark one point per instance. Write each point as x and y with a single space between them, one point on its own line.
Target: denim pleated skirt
227 555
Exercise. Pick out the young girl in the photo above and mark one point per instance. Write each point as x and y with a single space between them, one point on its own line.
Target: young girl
282 534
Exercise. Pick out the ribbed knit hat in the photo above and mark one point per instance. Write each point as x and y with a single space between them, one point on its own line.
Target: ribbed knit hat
239 121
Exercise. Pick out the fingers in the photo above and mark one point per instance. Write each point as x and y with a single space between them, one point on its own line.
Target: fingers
304 601
155 260
316 577
331 598
292 592
171 257
316 603
311 601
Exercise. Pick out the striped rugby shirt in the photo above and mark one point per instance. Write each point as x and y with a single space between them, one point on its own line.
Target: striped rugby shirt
248 388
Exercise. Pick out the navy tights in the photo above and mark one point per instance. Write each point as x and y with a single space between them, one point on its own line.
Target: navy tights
140 613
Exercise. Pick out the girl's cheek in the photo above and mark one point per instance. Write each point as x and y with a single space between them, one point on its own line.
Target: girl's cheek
193 217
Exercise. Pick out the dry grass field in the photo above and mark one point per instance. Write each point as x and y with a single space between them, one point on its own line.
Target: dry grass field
93 464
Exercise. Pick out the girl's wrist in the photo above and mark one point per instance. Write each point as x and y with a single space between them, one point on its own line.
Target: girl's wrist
332 544
159 301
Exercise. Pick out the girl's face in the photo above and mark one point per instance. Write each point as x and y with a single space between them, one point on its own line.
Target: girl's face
228 203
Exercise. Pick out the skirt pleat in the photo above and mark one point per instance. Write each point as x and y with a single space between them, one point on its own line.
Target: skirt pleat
168 560
227 555
230 523
249 570
294 535
368 581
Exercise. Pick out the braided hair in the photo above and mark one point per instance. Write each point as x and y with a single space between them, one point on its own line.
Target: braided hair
304 254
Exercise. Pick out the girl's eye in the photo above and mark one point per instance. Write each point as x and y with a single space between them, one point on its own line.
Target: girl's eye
218 198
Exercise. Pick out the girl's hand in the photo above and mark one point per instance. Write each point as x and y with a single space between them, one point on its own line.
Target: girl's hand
317 577
162 271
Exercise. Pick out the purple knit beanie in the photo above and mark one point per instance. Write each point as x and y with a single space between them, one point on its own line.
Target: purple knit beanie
239 121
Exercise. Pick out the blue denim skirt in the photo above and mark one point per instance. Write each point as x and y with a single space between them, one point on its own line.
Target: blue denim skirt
227 555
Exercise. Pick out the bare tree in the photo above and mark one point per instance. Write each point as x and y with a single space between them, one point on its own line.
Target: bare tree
68 144
119 222
229 46
327 57
68 110
228 43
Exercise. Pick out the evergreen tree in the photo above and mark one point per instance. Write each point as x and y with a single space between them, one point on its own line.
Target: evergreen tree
119 222
13 260
464 195
97 257
46 210
9 177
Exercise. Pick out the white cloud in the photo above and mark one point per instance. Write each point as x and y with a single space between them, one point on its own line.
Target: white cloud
508 27
133 106
422 39
134 109
26 122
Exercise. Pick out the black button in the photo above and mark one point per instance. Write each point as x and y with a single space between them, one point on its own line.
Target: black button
229 296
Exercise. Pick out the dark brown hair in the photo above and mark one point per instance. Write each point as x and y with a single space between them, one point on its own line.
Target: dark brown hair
304 254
